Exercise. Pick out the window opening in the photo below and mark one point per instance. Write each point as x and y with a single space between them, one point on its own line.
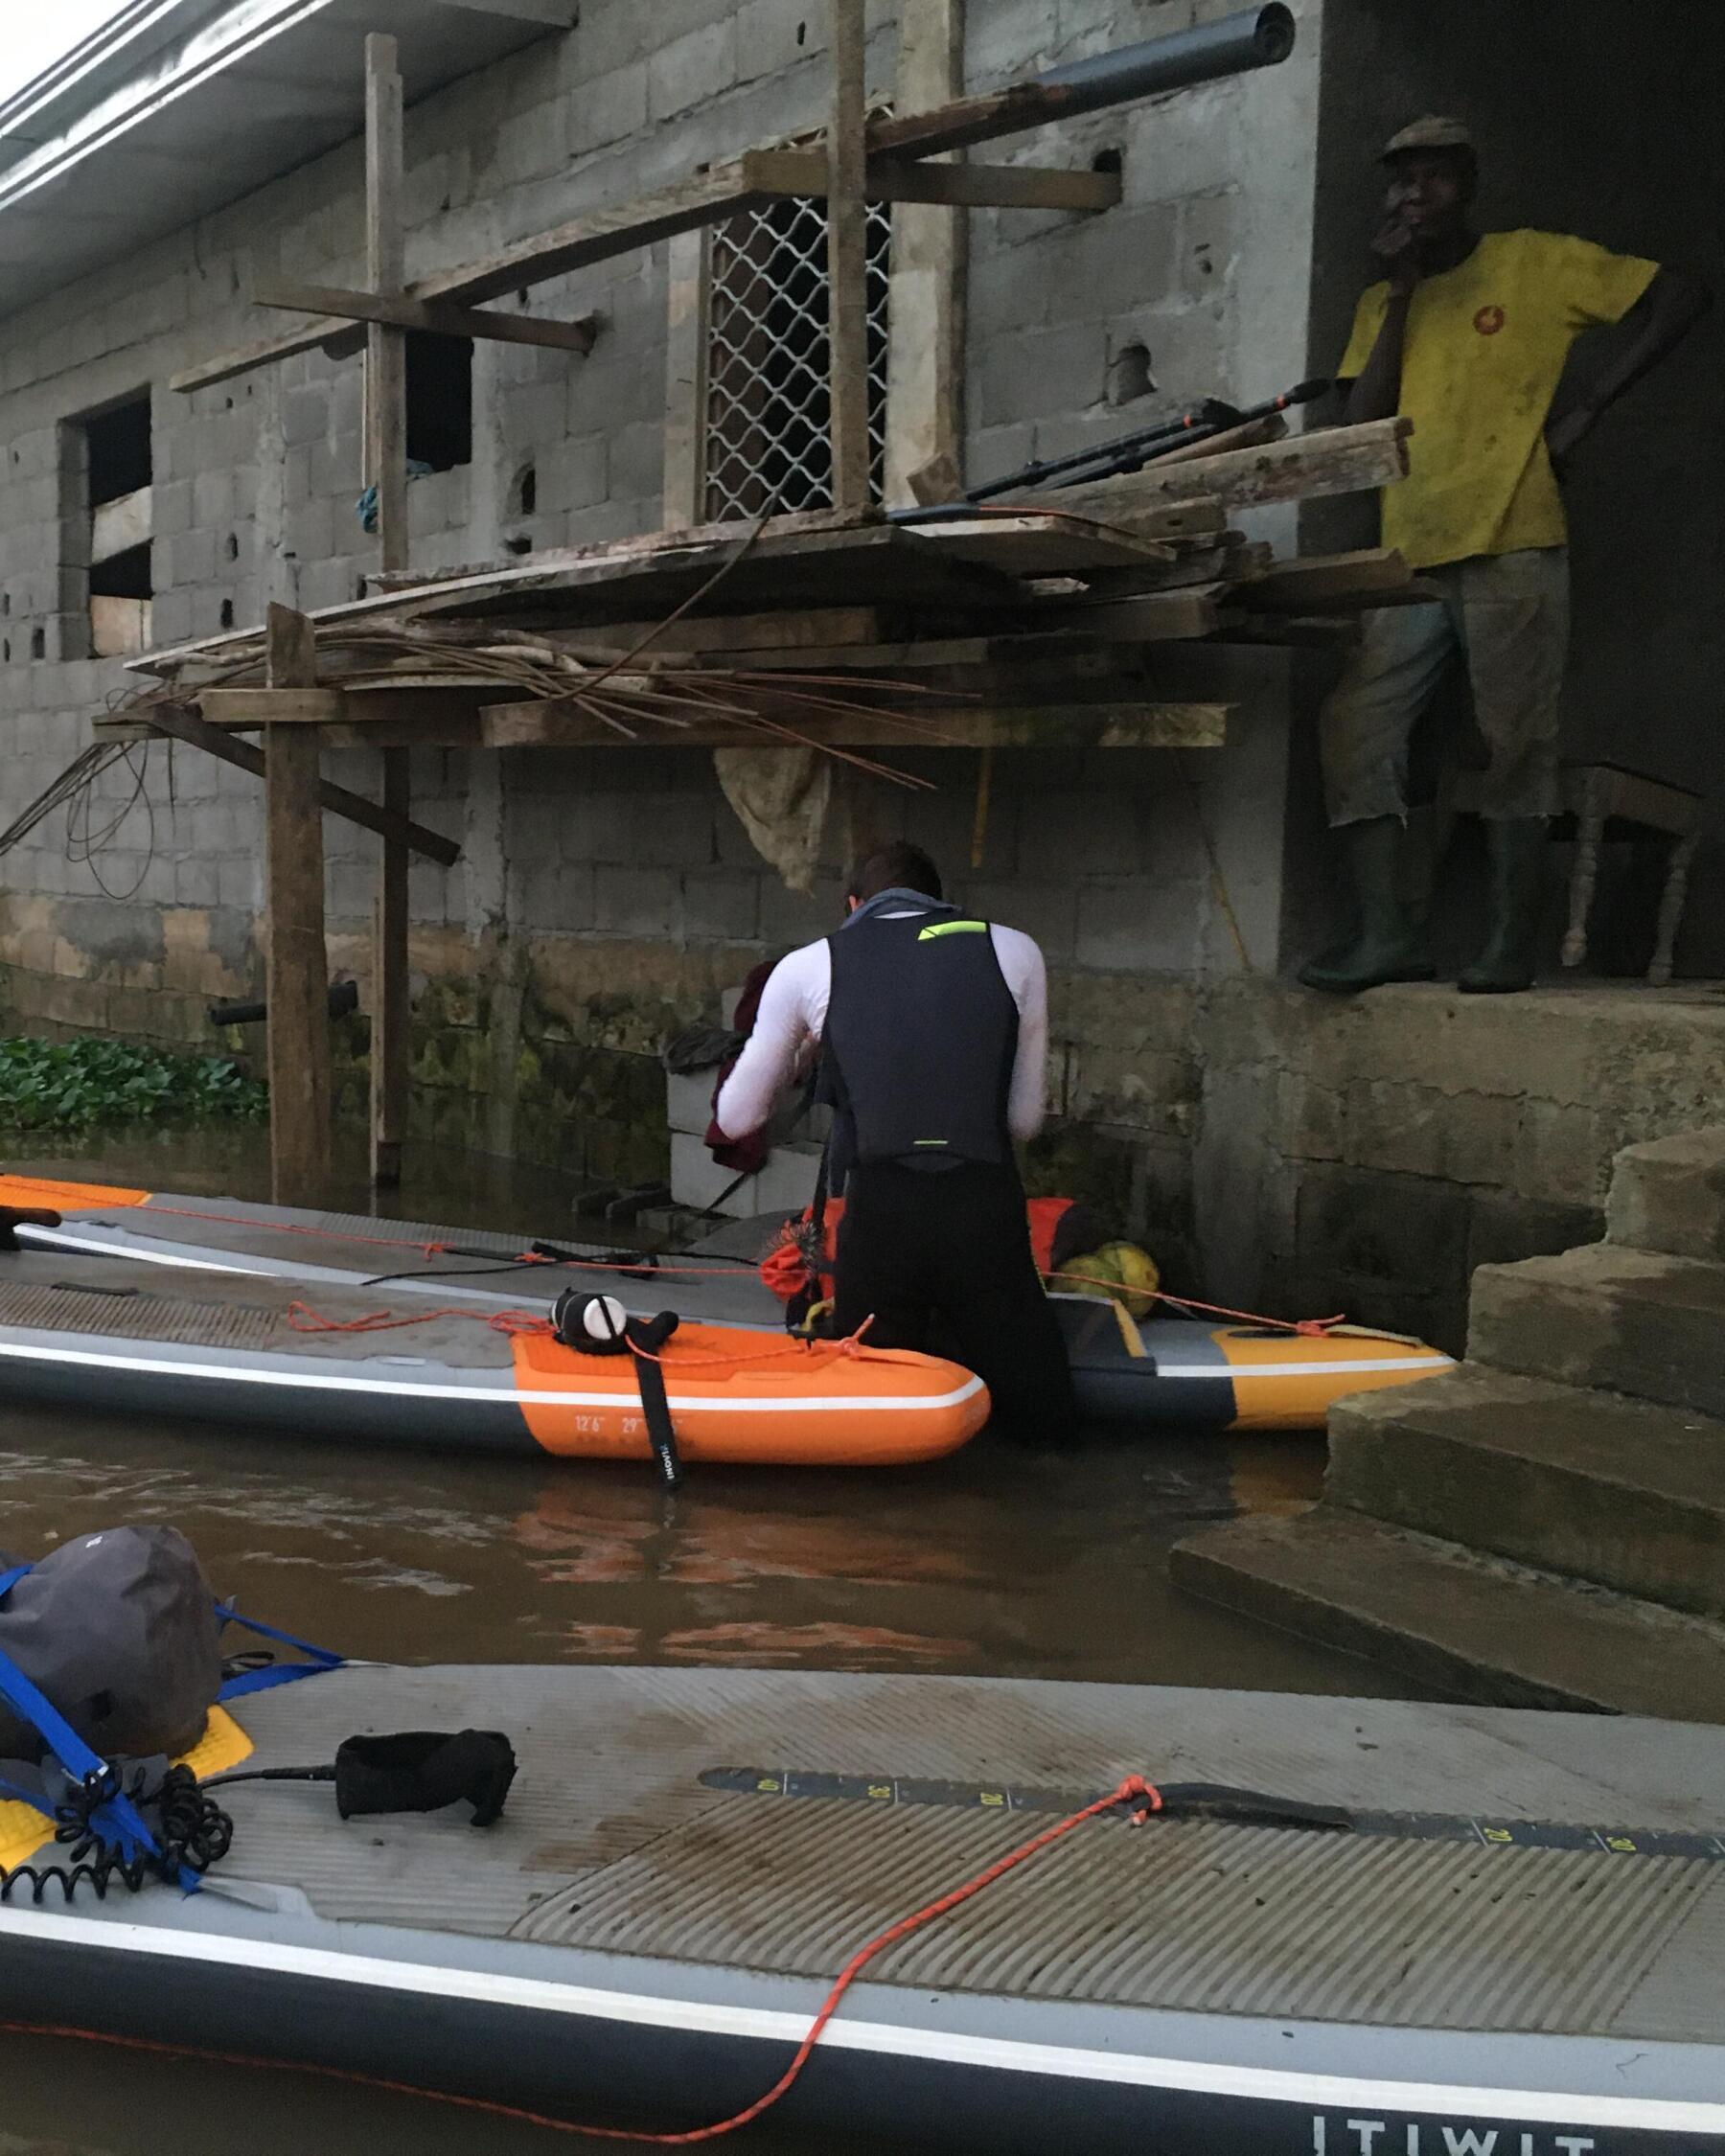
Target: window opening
440 400
112 470
769 404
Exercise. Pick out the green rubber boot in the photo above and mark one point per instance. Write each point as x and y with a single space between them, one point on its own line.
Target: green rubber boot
1518 853
1386 946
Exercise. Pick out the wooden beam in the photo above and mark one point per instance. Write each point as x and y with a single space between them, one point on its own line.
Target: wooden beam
689 285
296 957
1371 577
391 1016
596 235
386 465
272 707
1063 725
1157 617
185 725
805 173
438 317
1336 460
847 256
385 345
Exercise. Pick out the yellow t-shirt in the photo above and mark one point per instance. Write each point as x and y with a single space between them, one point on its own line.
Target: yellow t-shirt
1486 344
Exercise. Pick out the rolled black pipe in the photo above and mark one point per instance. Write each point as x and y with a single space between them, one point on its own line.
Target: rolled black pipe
344 996
1256 38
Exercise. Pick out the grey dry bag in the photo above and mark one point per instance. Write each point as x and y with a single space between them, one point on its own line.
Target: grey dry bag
119 1630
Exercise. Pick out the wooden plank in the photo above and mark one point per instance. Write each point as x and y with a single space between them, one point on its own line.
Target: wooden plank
966 122
439 317
1041 545
689 273
927 288
386 346
1296 587
1157 617
119 525
1063 725
267 707
847 256
1337 460
391 1016
183 723
713 636
804 174
296 957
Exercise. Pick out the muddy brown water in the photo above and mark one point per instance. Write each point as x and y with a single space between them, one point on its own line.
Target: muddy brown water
998 1562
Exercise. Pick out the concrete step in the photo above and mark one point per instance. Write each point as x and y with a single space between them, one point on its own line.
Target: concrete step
1457 1624
1633 1322
1616 1491
1670 1195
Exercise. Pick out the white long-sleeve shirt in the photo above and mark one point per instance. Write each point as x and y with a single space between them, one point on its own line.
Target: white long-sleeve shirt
793 1017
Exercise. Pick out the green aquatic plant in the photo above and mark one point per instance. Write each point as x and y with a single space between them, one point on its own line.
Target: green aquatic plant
76 1084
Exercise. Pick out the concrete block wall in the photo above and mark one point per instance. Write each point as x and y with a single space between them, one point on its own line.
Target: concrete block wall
1205 263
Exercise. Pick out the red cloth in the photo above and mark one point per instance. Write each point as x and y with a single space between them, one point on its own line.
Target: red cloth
744 1156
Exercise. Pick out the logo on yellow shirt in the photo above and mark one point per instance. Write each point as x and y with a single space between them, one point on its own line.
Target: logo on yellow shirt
1488 321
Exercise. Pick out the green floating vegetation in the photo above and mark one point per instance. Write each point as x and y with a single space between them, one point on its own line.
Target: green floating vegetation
76 1084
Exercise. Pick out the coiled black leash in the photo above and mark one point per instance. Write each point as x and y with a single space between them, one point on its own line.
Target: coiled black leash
192 1833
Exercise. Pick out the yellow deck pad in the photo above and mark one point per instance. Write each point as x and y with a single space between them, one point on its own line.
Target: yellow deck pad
224 1744
43 1194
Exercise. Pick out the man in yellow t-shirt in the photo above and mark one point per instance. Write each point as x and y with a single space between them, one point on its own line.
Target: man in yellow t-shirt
1469 337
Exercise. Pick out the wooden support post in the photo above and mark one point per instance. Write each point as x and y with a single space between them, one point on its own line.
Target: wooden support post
390 1003
386 346
386 465
847 257
926 352
296 964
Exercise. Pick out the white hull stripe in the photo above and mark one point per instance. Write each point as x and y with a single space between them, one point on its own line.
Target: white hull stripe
946 2047
487 1395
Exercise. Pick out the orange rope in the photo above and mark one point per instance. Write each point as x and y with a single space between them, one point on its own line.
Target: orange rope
1303 1327
1133 1790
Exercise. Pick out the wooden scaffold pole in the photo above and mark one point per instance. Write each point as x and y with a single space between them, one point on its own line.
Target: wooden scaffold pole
296 965
387 471
847 256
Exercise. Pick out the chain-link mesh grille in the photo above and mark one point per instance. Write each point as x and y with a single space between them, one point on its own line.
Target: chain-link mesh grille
768 441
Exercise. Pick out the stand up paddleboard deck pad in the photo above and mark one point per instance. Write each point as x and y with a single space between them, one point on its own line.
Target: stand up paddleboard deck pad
1169 1370
633 1944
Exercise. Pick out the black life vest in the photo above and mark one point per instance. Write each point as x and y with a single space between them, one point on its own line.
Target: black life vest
921 1036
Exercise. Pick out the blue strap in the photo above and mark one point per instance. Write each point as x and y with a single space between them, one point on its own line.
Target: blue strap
320 1659
117 1817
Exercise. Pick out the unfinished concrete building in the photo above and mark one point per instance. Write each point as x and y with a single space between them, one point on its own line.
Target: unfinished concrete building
1264 1143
